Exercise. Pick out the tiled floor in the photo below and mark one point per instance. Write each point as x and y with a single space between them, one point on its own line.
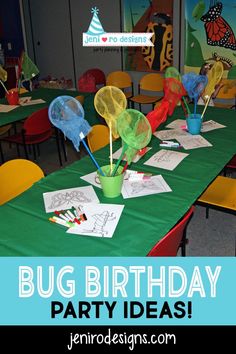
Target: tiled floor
207 237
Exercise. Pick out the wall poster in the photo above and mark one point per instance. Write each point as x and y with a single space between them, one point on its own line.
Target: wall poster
210 35
149 16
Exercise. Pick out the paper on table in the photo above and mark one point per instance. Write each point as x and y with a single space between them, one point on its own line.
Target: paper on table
170 134
24 100
166 159
66 198
211 125
176 124
4 108
91 178
31 102
102 220
137 157
154 185
193 142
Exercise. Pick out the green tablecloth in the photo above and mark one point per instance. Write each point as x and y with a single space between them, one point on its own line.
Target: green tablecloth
26 231
48 95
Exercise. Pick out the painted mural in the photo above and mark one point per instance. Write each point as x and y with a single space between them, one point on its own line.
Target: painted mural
149 16
210 35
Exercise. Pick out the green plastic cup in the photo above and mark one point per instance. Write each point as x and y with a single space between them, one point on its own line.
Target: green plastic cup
111 186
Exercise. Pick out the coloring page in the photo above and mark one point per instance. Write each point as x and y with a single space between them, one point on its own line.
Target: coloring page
193 142
66 198
102 220
166 159
153 185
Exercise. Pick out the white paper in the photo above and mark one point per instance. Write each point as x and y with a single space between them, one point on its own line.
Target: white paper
170 134
102 220
154 185
24 100
166 159
193 142
67 198
4 108
31 102
177 124
136 158
211 125
92 179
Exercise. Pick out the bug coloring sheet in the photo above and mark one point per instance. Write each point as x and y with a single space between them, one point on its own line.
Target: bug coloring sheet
102 220
166 159
66 198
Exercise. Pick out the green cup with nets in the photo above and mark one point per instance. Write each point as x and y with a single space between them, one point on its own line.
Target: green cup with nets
111 185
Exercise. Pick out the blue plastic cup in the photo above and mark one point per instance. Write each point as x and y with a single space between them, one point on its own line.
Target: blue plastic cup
194 123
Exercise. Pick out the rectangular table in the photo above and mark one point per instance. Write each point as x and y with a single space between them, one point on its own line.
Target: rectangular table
47 95
26 231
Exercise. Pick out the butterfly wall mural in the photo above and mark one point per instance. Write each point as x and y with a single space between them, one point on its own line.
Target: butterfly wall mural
218 31
210 34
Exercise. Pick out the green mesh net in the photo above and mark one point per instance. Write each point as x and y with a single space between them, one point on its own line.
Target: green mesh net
172 72
135 132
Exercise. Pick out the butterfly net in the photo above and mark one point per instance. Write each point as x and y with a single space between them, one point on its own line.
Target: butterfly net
173 92
67 114
171 71
214 76
134 130
3 74
194 84
158 115
109 102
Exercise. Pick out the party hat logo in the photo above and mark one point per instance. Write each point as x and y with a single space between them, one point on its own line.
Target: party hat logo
97 37
95 27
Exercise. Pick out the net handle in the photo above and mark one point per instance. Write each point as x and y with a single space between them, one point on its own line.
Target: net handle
125 147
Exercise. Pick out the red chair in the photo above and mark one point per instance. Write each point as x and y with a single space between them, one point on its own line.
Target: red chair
231 165
176 238
36 129
91 80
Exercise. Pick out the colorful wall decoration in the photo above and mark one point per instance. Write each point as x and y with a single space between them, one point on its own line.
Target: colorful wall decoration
149 16
210 31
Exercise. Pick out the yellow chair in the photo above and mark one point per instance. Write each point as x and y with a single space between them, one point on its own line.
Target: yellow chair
226 97
98 137
122 80
5 129
152 83
221 194
21 90
80 98
16 176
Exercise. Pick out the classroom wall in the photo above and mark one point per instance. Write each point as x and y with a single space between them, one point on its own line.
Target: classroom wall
11 37
53 36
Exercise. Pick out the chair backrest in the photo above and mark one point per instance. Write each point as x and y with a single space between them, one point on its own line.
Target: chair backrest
37 123
98 74
87 83
16 176
98 137
80 98
168 246
120 79
226 96
151 82
21 90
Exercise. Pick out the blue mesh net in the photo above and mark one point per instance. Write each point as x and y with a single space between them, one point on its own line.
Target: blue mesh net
67 114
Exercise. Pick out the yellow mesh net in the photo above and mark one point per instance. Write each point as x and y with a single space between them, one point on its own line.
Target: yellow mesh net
214 76
109 102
